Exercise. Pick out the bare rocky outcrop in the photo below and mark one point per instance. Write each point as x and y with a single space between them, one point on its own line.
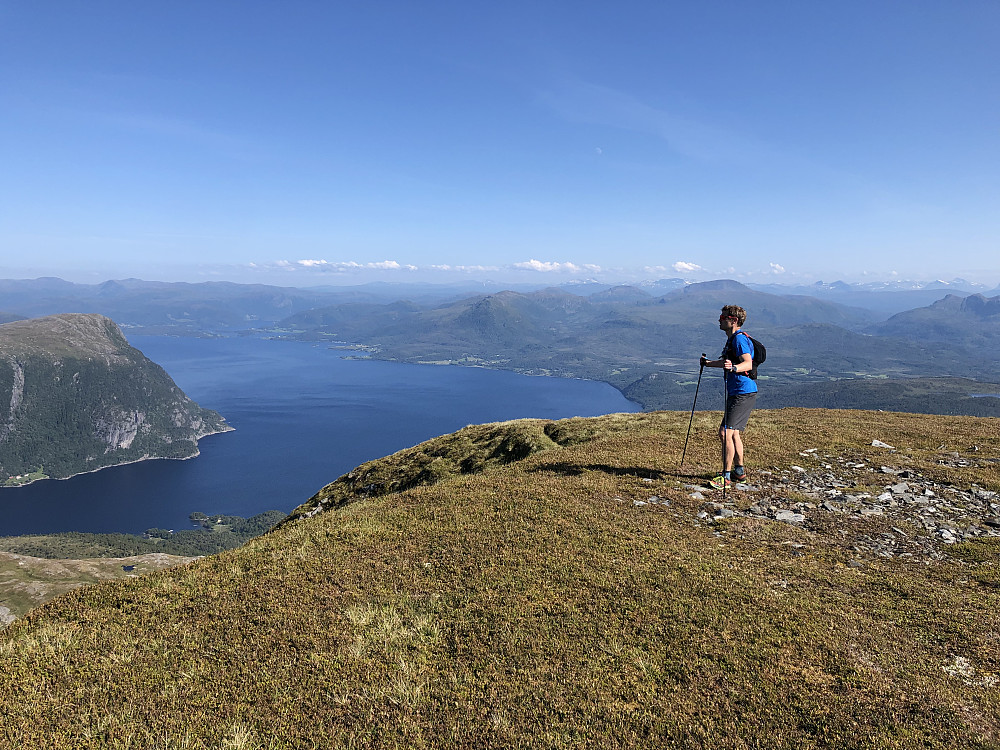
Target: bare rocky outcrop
899 513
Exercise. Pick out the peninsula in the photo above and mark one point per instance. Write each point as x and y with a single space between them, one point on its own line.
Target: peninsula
76 397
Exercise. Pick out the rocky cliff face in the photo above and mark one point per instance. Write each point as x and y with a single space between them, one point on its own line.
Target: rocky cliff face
75 396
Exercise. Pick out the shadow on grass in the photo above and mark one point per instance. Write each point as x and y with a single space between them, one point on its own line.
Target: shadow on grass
575 470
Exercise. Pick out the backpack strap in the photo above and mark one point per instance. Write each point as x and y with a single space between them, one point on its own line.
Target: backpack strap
729 343
728 353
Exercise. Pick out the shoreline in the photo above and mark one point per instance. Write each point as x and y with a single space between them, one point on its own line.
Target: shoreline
197 452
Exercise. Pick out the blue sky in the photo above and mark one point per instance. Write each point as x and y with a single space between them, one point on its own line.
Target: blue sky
339 142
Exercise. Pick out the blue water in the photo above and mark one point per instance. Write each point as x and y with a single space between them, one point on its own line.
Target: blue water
303 415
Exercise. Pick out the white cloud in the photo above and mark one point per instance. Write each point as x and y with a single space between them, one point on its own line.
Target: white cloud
777 268
390 265
682 266
555 267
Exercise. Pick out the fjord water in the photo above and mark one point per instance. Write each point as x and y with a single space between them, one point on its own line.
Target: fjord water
303 414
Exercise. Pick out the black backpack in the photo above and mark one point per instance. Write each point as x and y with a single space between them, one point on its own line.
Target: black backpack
759 353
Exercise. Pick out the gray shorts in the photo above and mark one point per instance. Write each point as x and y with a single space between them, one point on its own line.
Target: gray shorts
738 410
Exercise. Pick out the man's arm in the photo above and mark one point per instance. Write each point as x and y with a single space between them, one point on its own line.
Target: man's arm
743 366
724 363
741 352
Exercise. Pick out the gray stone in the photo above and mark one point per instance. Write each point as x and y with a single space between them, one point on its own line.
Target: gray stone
789 516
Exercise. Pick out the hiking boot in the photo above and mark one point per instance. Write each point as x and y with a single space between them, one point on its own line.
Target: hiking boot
720 482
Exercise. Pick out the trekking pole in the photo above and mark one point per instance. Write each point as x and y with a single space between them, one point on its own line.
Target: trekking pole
697 387
725 430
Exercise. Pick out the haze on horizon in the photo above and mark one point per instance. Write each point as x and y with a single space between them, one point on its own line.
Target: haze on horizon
313 143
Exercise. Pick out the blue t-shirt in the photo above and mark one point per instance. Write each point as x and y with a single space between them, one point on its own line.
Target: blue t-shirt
736 347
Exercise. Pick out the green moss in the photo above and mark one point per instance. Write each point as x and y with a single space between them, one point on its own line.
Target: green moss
983 550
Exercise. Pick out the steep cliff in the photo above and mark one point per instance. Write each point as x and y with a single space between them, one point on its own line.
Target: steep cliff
75 396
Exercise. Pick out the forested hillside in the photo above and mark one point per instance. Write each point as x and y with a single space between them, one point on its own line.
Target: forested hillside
75 396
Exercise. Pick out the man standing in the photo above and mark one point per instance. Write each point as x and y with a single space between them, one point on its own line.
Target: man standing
741 393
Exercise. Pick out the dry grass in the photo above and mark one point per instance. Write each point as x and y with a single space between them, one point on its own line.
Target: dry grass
527 603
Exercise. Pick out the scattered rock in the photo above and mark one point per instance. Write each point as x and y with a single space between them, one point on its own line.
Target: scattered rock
789 516
880 444
925 515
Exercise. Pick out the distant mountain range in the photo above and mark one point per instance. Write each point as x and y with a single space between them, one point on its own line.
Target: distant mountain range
644 339
75 397
647 346
193 308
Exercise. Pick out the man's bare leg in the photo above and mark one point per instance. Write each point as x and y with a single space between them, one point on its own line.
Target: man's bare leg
737 451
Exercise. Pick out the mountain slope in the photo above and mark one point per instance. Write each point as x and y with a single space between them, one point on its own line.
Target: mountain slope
972 322
514 585
75 396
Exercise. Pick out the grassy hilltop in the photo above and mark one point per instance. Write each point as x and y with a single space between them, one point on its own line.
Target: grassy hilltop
563 584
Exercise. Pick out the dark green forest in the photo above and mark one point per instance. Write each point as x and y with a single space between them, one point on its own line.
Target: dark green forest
220 533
